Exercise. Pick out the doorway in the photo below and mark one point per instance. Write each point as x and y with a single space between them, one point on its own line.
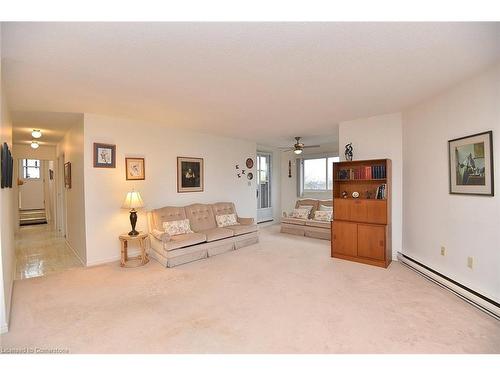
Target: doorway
32 192
264 173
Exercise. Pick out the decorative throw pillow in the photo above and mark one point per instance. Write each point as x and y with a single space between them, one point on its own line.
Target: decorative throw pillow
309 208
323 215
226 220
300 213
322 207
173 228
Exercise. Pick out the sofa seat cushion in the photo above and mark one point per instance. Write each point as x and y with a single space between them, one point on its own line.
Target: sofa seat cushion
217 233
242 229
318 224
183 240
293 220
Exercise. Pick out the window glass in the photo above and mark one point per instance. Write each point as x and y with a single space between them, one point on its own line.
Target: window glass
315 174
31 168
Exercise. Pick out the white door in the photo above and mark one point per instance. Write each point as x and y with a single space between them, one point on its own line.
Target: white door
31 191
264 208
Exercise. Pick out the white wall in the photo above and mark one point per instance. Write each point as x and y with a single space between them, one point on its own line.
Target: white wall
465 225
23 151
380 137
7 207
72 149
105 189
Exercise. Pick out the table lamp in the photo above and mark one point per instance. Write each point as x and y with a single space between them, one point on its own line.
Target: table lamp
133 200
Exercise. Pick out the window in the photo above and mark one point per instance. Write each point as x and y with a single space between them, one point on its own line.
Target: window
31 169
317 173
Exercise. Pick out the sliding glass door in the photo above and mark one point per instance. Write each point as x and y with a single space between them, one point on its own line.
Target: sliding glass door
264 208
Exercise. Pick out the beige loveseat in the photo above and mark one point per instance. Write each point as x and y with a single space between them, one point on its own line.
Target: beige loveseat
308 227
207 239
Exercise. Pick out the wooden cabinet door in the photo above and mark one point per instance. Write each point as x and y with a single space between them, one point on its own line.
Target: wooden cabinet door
345 238
371 241
341 209
369 211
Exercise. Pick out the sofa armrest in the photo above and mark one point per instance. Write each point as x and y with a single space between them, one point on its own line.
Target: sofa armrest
245 220
160 236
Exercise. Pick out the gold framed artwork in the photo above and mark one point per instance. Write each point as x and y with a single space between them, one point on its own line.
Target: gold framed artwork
67 175
190 176
135 169
471 164
104 155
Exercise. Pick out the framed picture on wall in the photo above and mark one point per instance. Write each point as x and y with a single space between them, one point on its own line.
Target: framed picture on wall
134 169
67 175
471 164
189 175
104 155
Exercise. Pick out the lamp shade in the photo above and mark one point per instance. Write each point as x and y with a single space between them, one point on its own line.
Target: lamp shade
133 200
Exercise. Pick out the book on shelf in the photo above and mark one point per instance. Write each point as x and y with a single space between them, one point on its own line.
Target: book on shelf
374 172
381 192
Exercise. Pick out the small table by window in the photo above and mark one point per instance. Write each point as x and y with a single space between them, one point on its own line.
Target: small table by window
142 258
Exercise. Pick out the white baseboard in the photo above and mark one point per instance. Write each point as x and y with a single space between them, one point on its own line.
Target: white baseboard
112 259
74 252
476 299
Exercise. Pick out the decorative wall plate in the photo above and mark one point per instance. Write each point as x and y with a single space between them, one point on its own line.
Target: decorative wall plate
355 194
249 163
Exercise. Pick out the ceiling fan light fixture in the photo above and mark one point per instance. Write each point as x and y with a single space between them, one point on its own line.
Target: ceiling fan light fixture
34 145
298 151
36 133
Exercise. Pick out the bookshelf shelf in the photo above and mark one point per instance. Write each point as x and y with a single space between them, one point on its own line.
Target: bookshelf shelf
361 229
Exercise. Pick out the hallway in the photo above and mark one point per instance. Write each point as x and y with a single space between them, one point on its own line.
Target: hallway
40 251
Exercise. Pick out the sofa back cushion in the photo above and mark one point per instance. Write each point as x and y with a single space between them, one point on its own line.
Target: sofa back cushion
201 216
308 202
224 208
325 205
165 214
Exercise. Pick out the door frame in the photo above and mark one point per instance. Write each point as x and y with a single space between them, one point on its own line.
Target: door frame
265 214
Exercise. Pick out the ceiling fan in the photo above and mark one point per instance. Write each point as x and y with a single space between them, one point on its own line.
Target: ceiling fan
298 147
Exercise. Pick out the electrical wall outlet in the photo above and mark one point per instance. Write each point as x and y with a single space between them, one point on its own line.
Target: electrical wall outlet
470 262
443 250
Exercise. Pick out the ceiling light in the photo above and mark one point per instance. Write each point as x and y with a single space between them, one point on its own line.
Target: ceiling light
298 151
34 144
36 133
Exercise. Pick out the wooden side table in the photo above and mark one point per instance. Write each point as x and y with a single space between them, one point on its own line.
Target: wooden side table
124 239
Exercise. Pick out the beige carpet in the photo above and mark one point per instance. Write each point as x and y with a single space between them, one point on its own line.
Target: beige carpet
283 295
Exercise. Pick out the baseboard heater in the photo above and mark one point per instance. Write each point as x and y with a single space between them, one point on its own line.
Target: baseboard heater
471 296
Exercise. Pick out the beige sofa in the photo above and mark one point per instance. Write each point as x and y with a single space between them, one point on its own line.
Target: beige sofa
310 227
207 239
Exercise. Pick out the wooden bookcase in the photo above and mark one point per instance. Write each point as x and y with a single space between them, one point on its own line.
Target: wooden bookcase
361 229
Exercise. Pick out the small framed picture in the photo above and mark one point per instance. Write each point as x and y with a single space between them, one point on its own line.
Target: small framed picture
471 164
104 155
67 175
51 174
189 175
134 168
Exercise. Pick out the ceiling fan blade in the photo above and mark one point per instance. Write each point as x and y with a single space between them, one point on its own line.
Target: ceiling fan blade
312 146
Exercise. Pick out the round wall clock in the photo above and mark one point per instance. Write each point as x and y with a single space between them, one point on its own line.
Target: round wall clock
250 175
249 163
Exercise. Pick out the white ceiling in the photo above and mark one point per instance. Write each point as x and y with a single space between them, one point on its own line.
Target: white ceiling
53 125
263 81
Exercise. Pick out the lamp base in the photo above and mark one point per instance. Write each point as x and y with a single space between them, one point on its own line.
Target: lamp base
133 221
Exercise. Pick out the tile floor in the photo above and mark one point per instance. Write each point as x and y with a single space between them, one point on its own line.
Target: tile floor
41 251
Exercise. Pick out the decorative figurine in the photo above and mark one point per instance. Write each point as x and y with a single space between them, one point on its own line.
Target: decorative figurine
348 152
